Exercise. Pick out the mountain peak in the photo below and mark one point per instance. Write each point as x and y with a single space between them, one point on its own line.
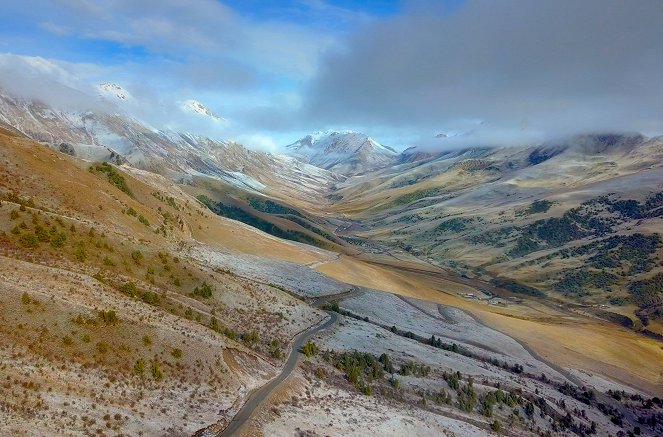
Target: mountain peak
195 107
113 92
345 151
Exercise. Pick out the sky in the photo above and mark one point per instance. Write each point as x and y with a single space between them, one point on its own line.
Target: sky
480 71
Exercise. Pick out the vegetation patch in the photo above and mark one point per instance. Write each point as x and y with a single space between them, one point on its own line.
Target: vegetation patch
113 176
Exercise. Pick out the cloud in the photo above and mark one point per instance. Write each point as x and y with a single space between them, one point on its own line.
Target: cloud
526 69
36 78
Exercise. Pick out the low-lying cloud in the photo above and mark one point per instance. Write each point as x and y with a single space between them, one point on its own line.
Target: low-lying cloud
519 68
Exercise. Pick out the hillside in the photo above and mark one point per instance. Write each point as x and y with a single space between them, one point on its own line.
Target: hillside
347 152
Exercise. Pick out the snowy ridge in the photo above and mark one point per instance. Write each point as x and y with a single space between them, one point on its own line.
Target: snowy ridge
345 152
195 107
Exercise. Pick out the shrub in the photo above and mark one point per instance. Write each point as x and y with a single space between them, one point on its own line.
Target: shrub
203 291
177 353
102 347
86 338
137 256
13 215
147 340
129 288
25 298
132 212
139 366
108 262
79 252
67 340
108 317
310 349
58 239
143 220
30 241
157 374
150 298
114 177
250 337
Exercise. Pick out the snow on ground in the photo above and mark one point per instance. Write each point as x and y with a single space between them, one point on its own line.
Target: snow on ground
428 318
332 411
603 384
352 334
296 278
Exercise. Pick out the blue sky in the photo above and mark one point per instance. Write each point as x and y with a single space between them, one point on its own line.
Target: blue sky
402 71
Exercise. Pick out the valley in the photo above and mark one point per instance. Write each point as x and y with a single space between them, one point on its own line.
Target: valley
195 287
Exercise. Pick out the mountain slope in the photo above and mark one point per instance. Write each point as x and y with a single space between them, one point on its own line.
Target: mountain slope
346 152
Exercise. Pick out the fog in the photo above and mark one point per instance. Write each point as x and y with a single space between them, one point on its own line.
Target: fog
520 70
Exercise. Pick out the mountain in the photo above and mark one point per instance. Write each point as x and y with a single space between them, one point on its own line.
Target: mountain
195 107
344 152
111 135
113 92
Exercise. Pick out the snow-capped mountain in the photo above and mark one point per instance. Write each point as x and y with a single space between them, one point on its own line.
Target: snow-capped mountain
113 135
113 92
345 152
195 107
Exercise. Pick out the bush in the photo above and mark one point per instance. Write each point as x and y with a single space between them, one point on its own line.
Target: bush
147 340
67 340
13 215
204 290
139 367
30 241
114 177
86 338
250 337
177 353
157 374
108 317
143 220
58 239
102 347
25 298
137 256
79 252
129 288
310 349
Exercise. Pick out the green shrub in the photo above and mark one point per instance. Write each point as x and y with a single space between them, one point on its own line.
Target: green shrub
114 177
143 220
204 290
147 340
139 366
79 252
102 347
137 256
67 340
25 298
129 288
250 337
157 374
30 241
13 215
86 338
310 349
108 317
58 239
177 353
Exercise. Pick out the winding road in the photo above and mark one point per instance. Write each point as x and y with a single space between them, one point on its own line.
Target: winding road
263 392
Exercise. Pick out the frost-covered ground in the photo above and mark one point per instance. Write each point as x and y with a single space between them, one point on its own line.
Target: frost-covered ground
428 318
296 278
326 410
